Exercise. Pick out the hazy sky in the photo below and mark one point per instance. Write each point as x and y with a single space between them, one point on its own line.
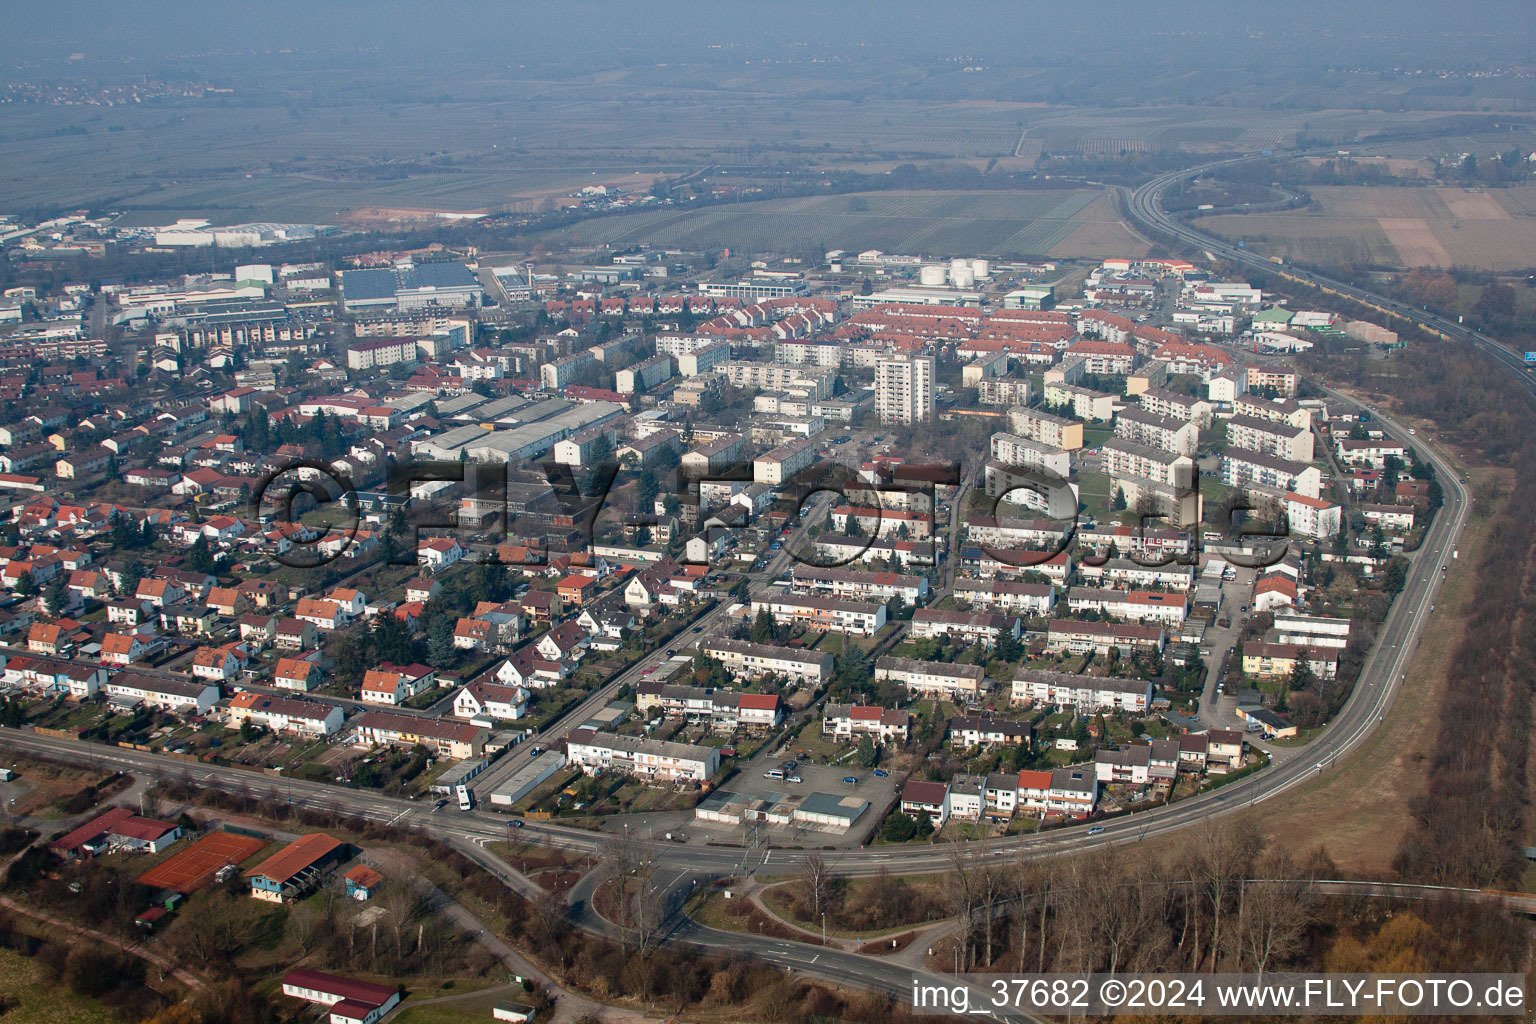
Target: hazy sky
596 34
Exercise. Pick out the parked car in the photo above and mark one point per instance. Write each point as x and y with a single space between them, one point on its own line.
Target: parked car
881 773
853 779
795 779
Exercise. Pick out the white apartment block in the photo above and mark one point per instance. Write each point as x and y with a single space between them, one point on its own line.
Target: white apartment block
700 360
1312 517
823 613
749 660
1162 402
961 683
1124 458
1276 439
563 371
1157 431
858 585
1166 609
1240 468
1013 596
1028 454
1085 403
904 390
811 382
593 751
1085 693
644 375
1281 410
778 465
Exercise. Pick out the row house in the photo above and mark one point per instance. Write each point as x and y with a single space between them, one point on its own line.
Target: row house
964 627
949 681
595 752
751 661
1081 692
985 731
1129 573
1100 637
309 718
47 677
853 721
821 613
446 739
179 696
1168 609
1013 596
858 585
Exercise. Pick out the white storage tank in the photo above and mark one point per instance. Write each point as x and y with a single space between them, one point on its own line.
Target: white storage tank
957 266
932 276
962 278
981 268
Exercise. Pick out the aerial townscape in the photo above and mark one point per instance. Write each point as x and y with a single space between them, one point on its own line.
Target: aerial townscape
734 526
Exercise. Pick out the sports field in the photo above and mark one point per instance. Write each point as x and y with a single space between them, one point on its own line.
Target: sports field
1490 229
194 867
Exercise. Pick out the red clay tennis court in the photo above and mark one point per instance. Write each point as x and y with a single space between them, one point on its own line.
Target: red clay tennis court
194 867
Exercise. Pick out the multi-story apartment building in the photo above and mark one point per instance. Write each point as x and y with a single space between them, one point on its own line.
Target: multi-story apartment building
1162 402
809 382
856 585
370 355
904 389
644 375
1372 452
1277 410
560 372
1276 439
1242 468
1013 596
1165 608
851 721
967 627
1182 437
1081 692
1043 427
750 660
696 362
1086 404
1003 391
960 683
823 613
593 751
1312 517
1100 637
778 465
1014 450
